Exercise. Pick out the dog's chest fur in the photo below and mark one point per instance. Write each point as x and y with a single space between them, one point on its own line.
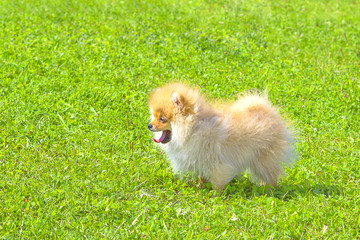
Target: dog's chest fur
198 147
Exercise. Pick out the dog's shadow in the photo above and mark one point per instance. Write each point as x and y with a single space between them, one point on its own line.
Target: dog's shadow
247 189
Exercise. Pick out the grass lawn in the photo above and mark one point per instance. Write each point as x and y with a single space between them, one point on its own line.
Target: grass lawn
77 160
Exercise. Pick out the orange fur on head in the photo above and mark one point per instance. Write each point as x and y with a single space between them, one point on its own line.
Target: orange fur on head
168 101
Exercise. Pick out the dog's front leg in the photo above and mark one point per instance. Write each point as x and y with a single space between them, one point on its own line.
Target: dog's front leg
202 182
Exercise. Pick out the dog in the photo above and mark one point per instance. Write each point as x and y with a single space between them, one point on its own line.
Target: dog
219 141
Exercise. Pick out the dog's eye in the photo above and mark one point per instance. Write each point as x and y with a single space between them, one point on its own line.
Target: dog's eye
162 119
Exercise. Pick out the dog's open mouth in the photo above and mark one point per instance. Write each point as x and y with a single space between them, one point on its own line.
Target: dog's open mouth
164 138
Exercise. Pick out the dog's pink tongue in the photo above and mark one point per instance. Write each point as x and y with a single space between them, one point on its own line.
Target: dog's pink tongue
163 135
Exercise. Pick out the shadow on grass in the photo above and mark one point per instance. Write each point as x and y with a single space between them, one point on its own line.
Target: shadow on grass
285 192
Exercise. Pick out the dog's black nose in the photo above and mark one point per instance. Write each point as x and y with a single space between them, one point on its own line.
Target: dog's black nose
150 126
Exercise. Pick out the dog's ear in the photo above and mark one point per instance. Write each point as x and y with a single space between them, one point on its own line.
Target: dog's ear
177 100
182 102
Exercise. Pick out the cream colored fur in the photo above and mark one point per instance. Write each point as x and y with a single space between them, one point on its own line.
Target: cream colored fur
219 142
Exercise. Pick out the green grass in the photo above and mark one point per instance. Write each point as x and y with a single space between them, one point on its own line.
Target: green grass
77 160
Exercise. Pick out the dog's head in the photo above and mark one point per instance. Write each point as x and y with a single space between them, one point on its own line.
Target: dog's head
167 104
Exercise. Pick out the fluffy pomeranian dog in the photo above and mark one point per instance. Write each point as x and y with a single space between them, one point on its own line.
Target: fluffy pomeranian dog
219 141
